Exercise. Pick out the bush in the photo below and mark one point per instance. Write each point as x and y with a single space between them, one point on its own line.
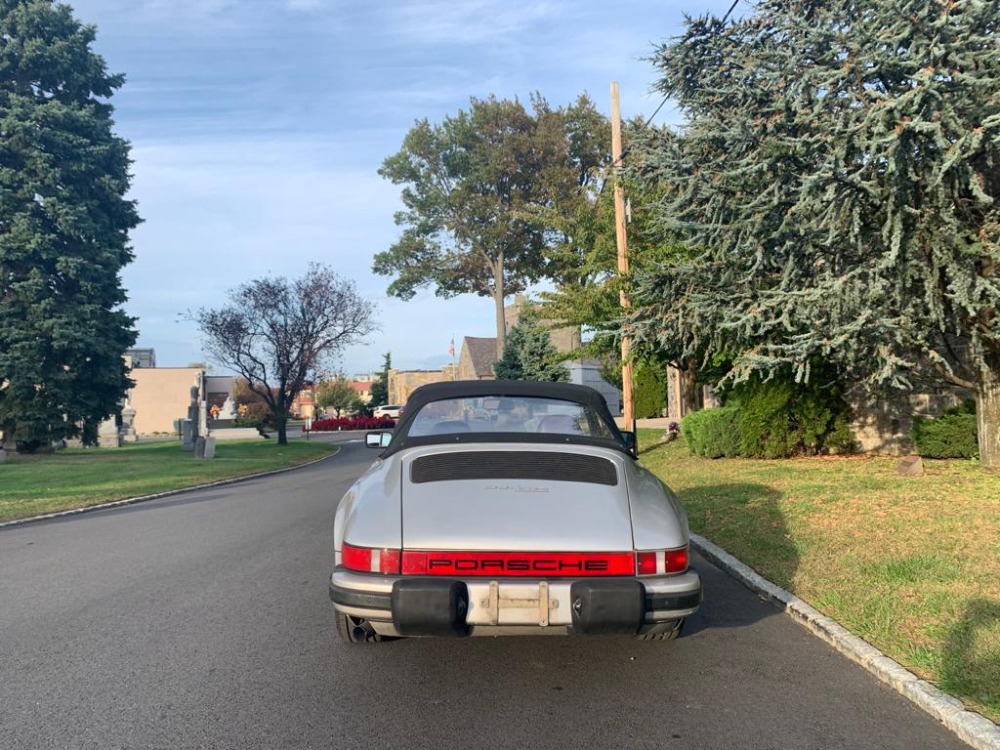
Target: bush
951 436
352 423
650 389
780 418
713 433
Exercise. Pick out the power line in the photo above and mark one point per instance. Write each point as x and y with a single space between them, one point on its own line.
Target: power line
724 19
621 160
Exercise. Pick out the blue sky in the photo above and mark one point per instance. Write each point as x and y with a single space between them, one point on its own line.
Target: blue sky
258 127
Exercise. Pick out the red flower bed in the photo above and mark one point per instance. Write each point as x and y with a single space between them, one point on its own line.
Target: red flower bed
352 423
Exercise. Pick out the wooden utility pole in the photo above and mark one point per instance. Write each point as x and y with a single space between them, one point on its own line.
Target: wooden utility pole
622 240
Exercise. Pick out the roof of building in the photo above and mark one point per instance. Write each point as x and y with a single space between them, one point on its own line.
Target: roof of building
483 353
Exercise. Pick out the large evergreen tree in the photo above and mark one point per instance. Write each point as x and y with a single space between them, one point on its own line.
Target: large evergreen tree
840 167
380 385
486 193
64 226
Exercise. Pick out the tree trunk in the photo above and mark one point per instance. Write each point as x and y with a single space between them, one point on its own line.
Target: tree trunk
689 388
282 426
988 417
498 298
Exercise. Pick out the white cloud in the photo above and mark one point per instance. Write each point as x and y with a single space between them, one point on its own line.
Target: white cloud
468 22
258 127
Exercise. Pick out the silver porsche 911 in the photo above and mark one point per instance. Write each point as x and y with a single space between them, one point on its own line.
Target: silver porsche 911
509 507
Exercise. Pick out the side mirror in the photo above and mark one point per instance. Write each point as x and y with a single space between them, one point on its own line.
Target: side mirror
378 439
630 443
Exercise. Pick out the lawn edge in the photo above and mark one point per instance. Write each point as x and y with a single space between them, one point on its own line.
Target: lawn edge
165 493
972 728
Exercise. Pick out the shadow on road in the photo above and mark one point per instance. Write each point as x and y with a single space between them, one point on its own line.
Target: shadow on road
745 519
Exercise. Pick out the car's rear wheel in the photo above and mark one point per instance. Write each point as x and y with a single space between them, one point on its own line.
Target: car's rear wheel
355 629
665 631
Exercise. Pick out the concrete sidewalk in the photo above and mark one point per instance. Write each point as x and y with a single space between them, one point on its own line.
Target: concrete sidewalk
656 423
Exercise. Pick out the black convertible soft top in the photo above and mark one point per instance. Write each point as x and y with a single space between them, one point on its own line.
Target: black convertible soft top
581 394
425 394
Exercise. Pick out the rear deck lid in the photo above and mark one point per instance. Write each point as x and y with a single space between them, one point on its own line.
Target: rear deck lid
534 499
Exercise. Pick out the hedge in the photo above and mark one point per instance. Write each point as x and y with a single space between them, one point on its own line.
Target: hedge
713 433
951 436
649 389
775 418
781 418
352 423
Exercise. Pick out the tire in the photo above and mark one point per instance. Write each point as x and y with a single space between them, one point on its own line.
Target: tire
667 631
356 630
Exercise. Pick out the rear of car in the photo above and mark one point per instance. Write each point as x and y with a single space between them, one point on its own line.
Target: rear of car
524 531
393 411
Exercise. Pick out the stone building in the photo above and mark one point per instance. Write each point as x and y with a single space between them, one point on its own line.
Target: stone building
477 358
161 395
404 382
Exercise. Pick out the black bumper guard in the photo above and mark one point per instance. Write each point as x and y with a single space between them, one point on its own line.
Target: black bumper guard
437 607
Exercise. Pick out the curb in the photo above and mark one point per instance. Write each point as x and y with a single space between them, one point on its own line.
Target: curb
968 726
167 493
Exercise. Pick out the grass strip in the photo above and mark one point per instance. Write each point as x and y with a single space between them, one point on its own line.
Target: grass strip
910 564
31 485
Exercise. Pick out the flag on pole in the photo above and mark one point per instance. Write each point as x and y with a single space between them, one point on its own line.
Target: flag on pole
451 347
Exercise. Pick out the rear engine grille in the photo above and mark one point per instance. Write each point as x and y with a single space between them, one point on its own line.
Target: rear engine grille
559 467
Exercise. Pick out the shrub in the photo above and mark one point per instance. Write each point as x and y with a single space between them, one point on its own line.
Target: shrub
713 433
650 389
352 423
951 436
781 418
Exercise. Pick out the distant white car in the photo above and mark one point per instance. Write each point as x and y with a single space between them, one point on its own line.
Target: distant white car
388 410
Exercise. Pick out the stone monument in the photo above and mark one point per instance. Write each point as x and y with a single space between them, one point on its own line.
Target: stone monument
228 410
127 430
109 435
190 425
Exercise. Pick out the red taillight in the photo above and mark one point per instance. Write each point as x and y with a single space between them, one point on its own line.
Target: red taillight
646 563
653 562
389 561
368 560
676 560
356 558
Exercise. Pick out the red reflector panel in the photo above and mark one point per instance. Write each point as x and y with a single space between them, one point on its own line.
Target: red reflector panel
389 561
356 558
676 560
519 564
647 563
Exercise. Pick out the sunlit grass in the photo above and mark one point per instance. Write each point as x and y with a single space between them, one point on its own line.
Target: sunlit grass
36 484
910 564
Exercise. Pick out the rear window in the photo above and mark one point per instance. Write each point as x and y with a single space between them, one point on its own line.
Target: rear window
508 414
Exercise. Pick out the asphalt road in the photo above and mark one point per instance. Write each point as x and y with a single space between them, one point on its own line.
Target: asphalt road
202 621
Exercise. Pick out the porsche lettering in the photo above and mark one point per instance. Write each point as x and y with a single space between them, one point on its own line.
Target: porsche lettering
516 565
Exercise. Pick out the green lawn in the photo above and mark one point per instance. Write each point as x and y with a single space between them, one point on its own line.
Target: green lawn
910 564
76 478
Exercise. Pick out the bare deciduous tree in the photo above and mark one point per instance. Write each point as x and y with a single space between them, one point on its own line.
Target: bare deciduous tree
276 333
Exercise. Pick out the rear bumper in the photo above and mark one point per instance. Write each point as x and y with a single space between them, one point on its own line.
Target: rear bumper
477 606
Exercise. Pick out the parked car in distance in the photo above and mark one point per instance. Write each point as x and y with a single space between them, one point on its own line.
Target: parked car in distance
388 410
536 519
